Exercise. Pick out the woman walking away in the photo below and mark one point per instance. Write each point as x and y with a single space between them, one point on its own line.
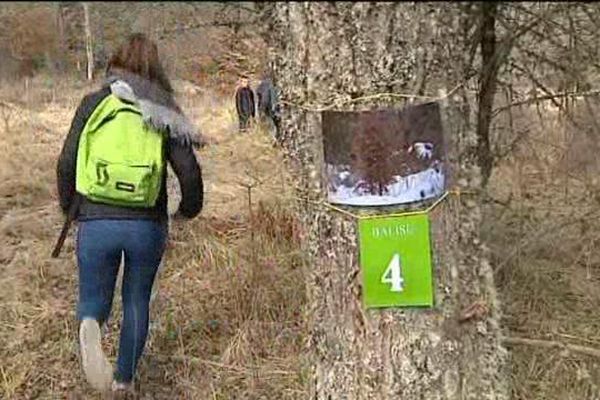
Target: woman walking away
112 171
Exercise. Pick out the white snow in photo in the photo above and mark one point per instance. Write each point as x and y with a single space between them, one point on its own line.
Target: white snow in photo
345 188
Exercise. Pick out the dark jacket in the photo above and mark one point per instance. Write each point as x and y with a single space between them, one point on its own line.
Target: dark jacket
178 152
266 98
244 102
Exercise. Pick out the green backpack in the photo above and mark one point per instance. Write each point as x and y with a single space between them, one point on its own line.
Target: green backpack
120 160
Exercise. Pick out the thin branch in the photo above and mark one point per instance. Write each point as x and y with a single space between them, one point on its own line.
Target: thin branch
537 83
551 96
583 48
498 155
589 132
510 40
551 344
543 58
189 27
371 97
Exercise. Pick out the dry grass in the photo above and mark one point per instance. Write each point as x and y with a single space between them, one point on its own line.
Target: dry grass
227 313
543 241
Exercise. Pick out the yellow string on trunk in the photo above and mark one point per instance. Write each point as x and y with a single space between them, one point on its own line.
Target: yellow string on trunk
456 192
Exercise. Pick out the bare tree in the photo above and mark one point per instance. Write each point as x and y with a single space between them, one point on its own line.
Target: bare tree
373 155
89 51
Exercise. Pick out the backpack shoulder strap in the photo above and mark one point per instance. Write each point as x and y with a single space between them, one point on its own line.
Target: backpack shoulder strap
107 109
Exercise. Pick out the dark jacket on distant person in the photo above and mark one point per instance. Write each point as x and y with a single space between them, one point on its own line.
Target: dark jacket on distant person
268 104
161 112
244 102
266 97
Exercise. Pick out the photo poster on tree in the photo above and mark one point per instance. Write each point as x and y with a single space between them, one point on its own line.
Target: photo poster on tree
395 261
384 157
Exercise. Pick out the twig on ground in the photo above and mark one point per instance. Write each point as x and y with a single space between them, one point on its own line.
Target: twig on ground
249 187
551 344
581 339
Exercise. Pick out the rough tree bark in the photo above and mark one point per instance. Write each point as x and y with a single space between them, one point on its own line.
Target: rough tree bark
328 53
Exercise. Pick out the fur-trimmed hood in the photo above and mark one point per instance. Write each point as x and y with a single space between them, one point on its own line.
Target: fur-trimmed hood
158 107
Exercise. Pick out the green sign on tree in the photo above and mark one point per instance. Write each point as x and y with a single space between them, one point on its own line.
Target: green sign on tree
396 261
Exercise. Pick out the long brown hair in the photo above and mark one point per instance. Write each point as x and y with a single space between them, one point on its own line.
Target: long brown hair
139 55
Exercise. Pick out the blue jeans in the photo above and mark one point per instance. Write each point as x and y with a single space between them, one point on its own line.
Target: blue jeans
100 244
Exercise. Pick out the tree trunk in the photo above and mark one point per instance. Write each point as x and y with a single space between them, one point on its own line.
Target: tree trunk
487 86
88 42
62 47
334 52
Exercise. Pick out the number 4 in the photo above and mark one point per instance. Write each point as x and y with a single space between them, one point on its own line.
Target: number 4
393 275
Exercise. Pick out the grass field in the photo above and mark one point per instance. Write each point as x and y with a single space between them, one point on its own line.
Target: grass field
227 315
221 328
